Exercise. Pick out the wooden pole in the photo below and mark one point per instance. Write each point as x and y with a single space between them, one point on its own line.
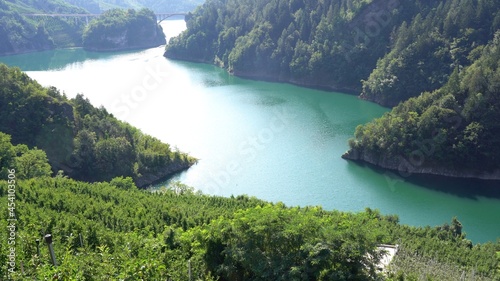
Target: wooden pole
48 240
38 247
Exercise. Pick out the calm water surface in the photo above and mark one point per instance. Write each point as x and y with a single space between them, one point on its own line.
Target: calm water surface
274 141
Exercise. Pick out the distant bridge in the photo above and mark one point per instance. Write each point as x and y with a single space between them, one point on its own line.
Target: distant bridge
162 17
159 17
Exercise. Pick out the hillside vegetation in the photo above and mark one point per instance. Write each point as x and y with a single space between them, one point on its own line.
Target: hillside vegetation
128 234
115 29
452 131
123 29
399 48
425 50
21 34
85 142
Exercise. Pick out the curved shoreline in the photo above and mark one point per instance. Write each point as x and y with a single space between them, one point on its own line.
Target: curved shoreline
401 166
152 178
274 78
405 168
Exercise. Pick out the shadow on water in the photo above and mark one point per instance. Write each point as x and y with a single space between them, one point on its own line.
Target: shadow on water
461 187
467 188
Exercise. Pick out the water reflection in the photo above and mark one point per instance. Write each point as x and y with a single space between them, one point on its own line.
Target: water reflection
57 59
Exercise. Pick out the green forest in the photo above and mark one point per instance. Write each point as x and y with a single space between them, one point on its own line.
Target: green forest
394 49
82 141
455 126
113 231
438 56
21 34
123 29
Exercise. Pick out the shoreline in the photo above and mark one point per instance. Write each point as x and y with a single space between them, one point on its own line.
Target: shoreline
386 164
406 169
150 179
276 79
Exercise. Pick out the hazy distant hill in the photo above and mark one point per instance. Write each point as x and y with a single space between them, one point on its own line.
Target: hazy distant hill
158 6
21 34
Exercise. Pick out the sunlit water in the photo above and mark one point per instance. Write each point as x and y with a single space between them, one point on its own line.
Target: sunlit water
274 141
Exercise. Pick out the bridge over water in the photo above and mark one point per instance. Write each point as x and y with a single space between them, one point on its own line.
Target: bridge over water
159 17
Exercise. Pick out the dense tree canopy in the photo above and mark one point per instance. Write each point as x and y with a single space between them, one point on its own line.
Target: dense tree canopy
306 42
400 48
129 234
123 29
426 50
20 33
454 127
27 163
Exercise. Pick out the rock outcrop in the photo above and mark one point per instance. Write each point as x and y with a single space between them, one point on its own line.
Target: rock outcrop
407 167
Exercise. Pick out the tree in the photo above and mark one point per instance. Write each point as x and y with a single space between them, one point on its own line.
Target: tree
7 154
31 163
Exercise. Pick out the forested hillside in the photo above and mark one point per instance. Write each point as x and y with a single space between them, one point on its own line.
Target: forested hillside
452 131
87 143
425 51
399 47
123 29
28 163
128 234
21 34
304 42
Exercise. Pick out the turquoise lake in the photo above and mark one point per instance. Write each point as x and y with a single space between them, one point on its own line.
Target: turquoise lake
275 141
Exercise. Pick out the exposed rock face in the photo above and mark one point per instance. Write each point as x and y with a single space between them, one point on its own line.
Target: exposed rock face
408 167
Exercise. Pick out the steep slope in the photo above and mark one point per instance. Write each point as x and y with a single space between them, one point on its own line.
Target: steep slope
309 43
425 51
453 131
399 48
122 30
21 34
